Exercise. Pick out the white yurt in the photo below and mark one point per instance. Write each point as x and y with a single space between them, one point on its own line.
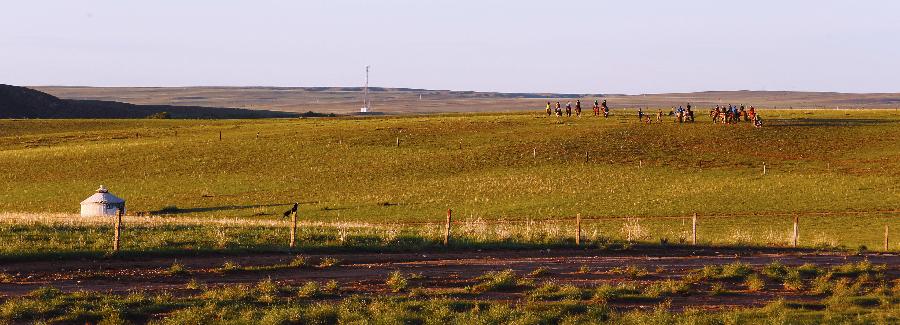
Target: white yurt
101 204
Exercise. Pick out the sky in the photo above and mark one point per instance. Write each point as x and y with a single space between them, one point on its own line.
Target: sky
607 47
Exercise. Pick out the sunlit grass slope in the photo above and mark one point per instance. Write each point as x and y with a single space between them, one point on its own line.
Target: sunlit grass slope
509 166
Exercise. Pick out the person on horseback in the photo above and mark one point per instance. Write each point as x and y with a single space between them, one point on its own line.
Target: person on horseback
578 107
596 108
569 109
549 111
605 109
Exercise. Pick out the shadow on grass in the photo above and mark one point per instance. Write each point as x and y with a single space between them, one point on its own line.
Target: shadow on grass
177 210
408 244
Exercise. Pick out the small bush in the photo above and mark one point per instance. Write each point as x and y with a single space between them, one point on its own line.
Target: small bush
667 288
821 284
736 270
775 270
193 285
551 291
309 290
809 270
496 281
397 282
177 269
858 268
230 266
584 269
793 281
630 271
331 287
754 283
717 289
539 272
606 292
329 262
299 261
267 290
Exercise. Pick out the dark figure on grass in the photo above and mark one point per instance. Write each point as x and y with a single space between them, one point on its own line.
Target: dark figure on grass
291 210
578 108
558 109
605 108
569 109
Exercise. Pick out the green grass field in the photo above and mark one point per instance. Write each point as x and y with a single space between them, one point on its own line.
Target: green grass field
839 167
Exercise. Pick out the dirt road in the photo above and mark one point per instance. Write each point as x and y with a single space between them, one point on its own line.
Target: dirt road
365 273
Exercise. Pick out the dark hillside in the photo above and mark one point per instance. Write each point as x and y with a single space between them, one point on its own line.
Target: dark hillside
21 102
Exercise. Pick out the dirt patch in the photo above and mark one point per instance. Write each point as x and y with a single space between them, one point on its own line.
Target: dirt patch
449 272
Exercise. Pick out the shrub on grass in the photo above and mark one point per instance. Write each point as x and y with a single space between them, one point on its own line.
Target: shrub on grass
496 281
299 261
775 270
193 285
329 262
667 288
630 271
821 284
858 268
230 266
793 281
309 290
584 269
754 283
607 292
397 282
331 287
717 289
551 291
809 270
736 270
539 272
177 269
267 290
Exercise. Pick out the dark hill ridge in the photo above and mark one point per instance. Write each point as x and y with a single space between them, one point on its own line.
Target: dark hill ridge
21 102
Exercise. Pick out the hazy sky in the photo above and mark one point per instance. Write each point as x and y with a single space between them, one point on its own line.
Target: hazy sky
519 46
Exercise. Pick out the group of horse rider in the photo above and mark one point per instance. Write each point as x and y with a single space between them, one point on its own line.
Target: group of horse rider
721 114
599 108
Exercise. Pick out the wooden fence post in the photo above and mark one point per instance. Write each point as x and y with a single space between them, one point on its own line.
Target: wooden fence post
118 230
220 135
293 228
578 229
886 246
398 142
796 230
764 168
447 229
534 153
694 230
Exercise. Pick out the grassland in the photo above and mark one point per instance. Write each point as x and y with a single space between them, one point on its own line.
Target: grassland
838 169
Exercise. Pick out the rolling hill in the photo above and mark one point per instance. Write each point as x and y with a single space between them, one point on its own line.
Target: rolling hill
21 102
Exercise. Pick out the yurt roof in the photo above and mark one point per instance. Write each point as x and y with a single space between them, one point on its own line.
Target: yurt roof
103 196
